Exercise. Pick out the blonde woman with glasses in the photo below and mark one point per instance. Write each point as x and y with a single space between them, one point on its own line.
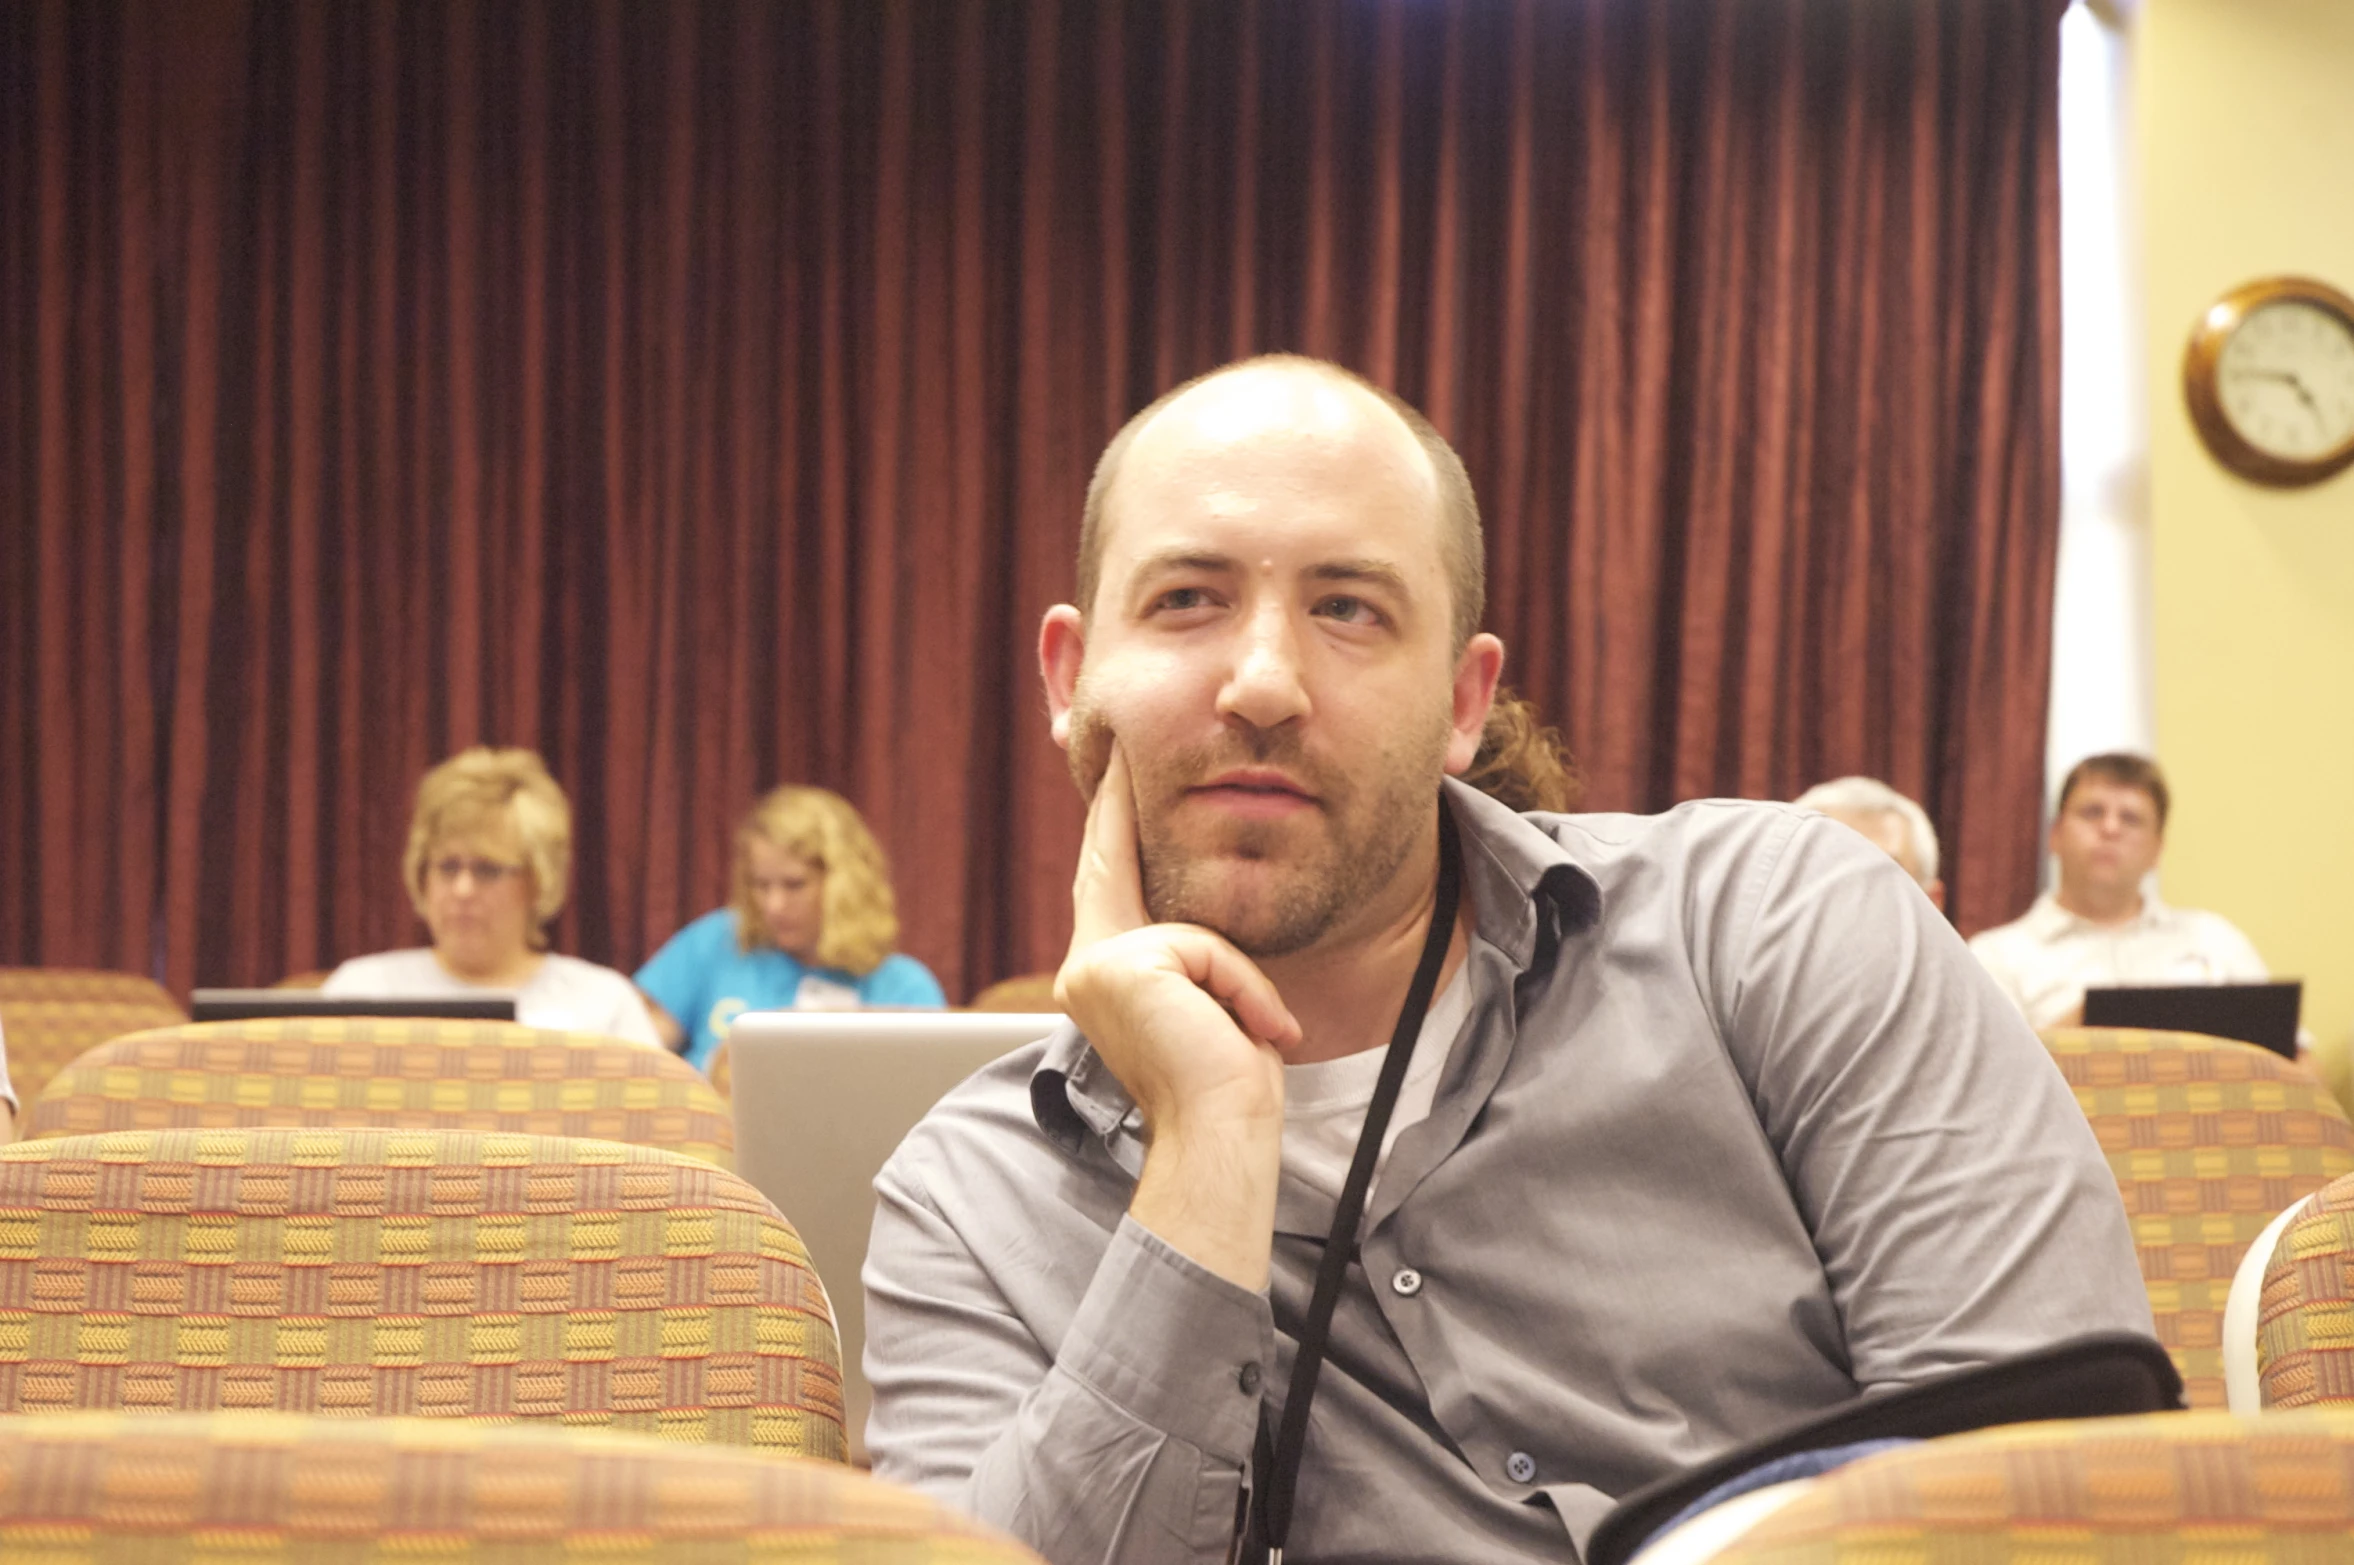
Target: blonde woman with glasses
810 927
488 863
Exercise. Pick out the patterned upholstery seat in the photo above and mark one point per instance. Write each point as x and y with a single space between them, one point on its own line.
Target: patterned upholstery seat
424 1075
2305 1317
720 1081
2161 1489
447 1273
51 1014
2209 1140
114 1489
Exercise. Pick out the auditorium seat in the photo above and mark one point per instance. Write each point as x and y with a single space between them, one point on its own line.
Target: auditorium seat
2209 1140
2163 1487
2305 1310
416 1074
105 1487
51 1014
1029 992
450 1274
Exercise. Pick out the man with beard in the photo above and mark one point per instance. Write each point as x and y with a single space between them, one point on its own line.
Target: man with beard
1674 1128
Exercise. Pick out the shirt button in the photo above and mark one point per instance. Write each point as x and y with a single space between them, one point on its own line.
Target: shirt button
1248 1380
1406 1282
1520 1467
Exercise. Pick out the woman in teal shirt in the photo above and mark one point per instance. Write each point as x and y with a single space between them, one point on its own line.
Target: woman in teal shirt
811 928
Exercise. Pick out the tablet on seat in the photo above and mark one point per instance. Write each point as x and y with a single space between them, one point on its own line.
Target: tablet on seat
2261 1014
246 1005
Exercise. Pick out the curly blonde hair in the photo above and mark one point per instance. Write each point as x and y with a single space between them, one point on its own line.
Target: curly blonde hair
861 915
1521 762
502 791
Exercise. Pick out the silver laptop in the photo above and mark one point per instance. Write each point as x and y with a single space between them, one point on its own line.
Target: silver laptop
822 1100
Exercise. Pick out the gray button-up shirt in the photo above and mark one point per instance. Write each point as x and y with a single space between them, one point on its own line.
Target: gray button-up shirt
1736 1130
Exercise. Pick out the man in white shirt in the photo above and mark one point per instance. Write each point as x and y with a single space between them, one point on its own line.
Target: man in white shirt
2099 928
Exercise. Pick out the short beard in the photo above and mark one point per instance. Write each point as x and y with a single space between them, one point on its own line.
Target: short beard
1374 817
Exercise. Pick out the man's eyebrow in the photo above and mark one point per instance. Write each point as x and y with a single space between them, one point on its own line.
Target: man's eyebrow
1375 573
1359 572
1181 559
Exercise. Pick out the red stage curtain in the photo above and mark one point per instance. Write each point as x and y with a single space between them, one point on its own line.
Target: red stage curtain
703 394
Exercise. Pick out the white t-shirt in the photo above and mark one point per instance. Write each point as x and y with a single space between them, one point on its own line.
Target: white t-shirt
1324 1104
565 992
2047 957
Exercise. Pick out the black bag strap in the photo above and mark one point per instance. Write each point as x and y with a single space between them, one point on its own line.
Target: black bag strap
1275 1464
2100 1375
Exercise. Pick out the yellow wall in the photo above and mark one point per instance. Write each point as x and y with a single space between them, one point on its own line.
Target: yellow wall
2245 114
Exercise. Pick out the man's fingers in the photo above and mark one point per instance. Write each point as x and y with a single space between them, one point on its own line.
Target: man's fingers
1107 896
1114 810
1234 981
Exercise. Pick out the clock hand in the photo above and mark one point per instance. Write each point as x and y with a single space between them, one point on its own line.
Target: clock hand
2287 378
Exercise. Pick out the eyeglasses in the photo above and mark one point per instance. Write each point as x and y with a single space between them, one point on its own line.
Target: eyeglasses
486 872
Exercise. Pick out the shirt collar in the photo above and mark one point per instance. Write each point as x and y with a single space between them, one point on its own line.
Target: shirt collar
2048 920
1526 892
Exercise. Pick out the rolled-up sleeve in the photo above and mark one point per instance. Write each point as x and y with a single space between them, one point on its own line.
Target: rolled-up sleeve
1127 1439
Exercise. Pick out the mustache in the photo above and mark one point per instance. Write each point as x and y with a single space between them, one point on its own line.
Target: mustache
1165 774
1279 749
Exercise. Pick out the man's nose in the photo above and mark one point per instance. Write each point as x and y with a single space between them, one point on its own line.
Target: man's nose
1264 689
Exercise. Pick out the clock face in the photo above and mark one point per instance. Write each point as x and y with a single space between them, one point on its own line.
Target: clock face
2285 380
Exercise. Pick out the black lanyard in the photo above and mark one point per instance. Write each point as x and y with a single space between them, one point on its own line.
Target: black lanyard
1275 1464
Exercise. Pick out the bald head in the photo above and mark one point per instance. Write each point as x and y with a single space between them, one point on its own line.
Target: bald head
1324 408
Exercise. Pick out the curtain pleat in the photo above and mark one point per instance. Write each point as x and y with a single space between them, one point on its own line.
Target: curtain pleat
704 393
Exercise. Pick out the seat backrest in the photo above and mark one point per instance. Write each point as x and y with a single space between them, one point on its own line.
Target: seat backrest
2209 1140
1029 992
2305 1314
442 1273
2157 1486
279 1486
410 1073
50 1015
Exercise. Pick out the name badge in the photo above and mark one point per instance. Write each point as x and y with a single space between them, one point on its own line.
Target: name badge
824 994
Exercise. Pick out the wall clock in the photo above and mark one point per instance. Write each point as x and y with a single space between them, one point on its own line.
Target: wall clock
2269 376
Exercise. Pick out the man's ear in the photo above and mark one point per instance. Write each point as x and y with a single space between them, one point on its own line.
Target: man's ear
1062 648
1477 669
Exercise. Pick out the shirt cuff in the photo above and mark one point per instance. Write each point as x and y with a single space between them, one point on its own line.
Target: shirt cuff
1178 1347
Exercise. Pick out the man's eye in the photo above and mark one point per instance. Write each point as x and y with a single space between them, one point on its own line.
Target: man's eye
1353 611
1179 599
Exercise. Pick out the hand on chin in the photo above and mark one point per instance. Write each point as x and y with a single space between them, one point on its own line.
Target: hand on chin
1185 1021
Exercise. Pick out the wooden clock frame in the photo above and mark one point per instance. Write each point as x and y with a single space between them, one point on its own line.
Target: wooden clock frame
2202 359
